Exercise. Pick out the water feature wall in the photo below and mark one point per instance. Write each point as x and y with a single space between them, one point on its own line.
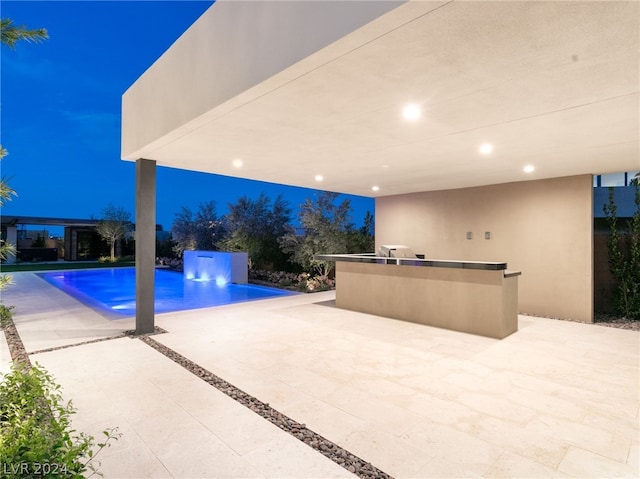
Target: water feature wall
221 267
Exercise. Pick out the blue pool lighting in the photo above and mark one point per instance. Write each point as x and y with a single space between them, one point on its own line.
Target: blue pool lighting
112 291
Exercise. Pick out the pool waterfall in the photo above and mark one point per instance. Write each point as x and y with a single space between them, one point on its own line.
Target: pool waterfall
221 267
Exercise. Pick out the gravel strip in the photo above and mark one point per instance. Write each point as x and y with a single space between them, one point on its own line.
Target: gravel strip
599 319
16 347
337 454
610 321
124 334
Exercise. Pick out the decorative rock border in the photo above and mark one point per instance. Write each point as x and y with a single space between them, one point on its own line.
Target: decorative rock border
16 346
337 454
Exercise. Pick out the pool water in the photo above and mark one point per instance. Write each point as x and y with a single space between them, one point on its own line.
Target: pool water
113 290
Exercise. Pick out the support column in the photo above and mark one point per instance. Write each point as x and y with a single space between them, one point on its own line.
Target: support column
145 245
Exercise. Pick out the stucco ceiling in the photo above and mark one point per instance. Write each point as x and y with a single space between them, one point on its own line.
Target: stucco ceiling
554 85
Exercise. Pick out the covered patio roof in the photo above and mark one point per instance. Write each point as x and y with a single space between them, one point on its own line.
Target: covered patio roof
285 91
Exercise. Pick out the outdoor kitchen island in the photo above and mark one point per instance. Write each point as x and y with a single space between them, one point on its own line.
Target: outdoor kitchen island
469 296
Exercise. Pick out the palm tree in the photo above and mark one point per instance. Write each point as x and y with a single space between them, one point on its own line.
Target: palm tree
10 33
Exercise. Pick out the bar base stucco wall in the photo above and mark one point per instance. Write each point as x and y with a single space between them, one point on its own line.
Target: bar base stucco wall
543 228
468 300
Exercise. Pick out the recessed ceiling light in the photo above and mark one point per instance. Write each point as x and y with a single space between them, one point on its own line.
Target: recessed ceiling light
375 188
486 148
529 169
319 177
237 163
412 112
385 166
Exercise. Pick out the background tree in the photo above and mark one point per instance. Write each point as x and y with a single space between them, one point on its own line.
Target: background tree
113 226
6 249
10 34
326 228
624 257
255 226
362 240
202 230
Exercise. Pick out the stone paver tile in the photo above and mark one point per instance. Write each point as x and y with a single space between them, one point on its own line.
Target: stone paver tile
446 469
611 445
314 384
188 449
440 410
547 404
325 419
128 457
5 356
381 414
510 465
289 458
540 448
390 453
586 464
238 427
634 456
446 445
497 406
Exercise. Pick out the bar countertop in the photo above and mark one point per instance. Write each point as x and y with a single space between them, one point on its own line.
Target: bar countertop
434 263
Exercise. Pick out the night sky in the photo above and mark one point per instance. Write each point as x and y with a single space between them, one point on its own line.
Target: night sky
61 104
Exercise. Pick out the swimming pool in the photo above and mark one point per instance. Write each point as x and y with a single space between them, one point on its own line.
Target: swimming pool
113 290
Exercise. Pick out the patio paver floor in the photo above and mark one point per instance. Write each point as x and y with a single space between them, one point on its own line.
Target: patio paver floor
555 399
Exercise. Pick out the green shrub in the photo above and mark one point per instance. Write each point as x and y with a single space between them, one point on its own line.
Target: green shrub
624 258
36 435
6 313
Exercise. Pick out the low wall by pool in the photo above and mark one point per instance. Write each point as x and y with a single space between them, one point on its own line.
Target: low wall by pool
221 267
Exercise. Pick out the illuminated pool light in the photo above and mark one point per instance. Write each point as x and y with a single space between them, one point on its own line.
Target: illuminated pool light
112 292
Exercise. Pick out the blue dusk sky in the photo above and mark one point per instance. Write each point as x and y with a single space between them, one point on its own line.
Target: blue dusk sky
61 105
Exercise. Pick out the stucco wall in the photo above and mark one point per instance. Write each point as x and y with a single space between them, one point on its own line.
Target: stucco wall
543 228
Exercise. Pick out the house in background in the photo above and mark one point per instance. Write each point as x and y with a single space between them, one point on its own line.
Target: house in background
477 127
81 241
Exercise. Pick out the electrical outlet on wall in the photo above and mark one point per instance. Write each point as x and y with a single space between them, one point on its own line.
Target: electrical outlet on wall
487 235
469 234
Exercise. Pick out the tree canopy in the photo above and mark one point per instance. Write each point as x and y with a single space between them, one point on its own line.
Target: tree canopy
255 226
325 230
112 226
200 230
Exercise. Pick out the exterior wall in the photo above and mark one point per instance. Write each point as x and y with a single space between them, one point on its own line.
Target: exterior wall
542 228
